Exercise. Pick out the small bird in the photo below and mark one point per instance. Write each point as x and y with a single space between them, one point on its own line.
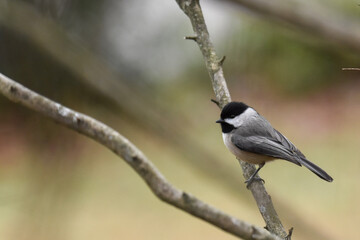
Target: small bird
251 138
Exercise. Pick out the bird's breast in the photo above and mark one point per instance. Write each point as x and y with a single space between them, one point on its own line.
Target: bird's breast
244 155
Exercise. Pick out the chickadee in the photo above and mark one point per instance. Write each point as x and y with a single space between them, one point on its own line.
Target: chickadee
251 138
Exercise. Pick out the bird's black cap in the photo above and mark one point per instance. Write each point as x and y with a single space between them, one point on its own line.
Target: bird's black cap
233 109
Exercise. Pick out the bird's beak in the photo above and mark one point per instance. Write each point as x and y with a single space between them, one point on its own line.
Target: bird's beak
220 121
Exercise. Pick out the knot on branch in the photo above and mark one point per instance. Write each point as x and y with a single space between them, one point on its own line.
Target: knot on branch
13 90
187 199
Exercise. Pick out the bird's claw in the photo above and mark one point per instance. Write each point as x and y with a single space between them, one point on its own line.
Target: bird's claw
252 179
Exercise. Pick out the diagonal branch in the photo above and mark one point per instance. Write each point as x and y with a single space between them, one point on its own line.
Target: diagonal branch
122 147
193 10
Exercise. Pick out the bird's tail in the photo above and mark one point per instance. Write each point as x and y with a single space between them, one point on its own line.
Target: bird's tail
315 169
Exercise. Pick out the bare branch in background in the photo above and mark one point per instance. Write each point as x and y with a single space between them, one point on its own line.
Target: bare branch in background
193 10
350 69
122 147
321 22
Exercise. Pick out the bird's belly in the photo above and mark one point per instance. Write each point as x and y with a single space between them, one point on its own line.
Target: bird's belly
244 155
252 157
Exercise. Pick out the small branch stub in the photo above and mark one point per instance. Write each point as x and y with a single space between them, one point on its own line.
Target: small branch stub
216 102
221 61
194 38
288 237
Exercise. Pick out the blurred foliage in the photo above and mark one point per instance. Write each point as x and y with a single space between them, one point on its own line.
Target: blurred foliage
31 66
284 59
348 8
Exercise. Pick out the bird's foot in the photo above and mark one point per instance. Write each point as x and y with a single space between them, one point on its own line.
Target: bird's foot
252 179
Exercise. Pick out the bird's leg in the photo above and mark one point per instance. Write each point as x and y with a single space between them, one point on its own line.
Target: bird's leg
253 176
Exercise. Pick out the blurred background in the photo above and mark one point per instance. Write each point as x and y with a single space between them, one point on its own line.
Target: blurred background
125 63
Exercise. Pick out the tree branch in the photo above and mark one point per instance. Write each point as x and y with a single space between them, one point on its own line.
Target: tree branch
213 64
122 147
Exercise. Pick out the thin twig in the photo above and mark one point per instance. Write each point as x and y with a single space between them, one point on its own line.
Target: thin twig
222 60
350 69
216 102
193 10
133 156
194 38
288 237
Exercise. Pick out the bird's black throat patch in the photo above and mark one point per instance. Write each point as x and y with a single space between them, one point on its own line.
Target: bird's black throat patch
226 128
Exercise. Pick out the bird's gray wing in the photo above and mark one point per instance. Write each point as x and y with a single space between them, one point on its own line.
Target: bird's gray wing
303 161
258 136
265 146
286 143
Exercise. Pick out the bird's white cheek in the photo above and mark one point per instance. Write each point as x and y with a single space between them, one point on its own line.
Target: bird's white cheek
240 119
236 122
